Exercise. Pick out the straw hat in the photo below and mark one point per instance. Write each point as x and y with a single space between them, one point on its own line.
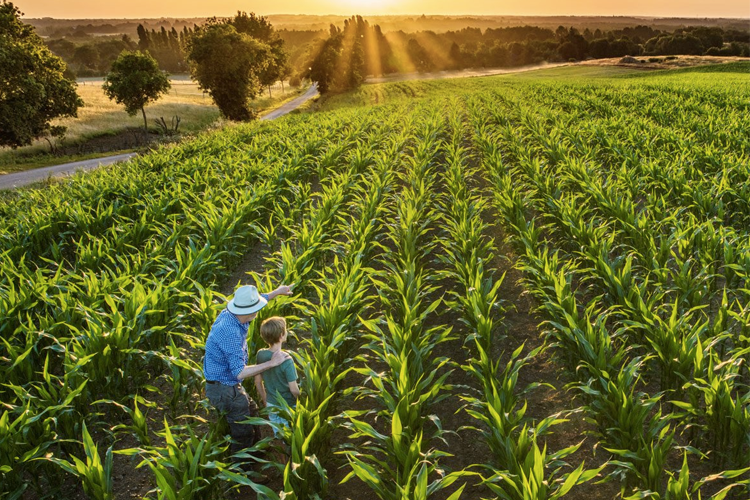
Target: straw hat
246 300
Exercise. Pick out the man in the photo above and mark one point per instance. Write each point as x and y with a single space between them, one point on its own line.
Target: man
225 363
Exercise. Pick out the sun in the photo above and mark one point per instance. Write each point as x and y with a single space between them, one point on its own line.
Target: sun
367 6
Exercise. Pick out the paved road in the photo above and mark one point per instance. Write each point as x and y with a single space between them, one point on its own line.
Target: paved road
293 104
18 179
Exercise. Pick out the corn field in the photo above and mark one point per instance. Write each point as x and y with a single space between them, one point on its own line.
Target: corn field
621 203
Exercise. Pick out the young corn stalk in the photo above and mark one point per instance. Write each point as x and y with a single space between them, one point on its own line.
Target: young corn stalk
683 361
343 296
187 467
397 465
174 248
519 466
95 475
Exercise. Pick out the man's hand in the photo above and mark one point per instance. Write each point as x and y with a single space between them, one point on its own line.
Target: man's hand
282 290
279 357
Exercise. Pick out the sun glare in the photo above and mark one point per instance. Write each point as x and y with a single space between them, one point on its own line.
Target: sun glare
367 6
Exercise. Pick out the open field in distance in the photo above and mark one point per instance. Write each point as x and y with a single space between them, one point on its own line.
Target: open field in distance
107 122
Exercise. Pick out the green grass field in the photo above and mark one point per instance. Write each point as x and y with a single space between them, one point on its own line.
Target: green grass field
525 287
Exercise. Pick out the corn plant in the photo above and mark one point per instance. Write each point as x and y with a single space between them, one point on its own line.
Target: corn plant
626 201
397 465
527 478
407 480
187 466
720 408
139 423
679 487
337 298
20 444
95 475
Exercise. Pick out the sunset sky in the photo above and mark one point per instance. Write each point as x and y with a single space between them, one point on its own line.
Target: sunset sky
76 9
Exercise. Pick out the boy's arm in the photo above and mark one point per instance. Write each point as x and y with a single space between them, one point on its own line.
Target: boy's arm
261 390
294 389
290 373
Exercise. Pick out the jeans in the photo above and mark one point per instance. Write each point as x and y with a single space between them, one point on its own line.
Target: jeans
274 415
234 403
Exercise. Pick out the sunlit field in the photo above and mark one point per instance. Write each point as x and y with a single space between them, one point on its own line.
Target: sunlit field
100 116
99 113
505 287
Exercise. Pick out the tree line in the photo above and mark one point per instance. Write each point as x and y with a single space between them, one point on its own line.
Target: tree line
230 59
399 51
343 59
338 66
311 52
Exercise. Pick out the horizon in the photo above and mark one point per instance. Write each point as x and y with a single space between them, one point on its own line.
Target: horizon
365 15
664 9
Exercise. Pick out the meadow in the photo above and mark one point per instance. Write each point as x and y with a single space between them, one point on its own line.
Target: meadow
529 286
102 126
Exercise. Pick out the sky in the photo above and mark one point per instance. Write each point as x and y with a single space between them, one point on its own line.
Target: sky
81 9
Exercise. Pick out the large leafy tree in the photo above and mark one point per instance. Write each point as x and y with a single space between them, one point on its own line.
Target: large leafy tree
33 89
228 65
135 80
262 30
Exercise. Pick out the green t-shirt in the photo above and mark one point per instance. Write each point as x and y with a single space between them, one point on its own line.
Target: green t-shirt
276 379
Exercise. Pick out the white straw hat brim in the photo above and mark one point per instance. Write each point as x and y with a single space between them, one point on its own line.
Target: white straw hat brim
247 308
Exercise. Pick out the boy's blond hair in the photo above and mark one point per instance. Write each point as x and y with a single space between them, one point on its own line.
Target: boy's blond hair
272 329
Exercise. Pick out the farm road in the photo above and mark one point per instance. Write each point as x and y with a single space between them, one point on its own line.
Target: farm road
19 179
293 104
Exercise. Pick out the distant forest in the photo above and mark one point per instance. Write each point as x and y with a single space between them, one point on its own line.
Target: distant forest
55 28
408 44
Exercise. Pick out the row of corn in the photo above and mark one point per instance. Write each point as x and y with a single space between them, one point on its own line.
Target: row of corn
625 300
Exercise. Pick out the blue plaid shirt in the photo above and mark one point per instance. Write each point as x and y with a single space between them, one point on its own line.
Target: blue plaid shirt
226 349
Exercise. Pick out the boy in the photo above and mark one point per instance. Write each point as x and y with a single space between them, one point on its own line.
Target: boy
279 383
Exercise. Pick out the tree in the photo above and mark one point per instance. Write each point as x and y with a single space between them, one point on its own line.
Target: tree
323 67
355 74
86 57
257 27
277 64
419 56
455 56
62 47
517 54
226 64
572 45
498 55
33 88
134 81
261 29
599 48
342 62
679 44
